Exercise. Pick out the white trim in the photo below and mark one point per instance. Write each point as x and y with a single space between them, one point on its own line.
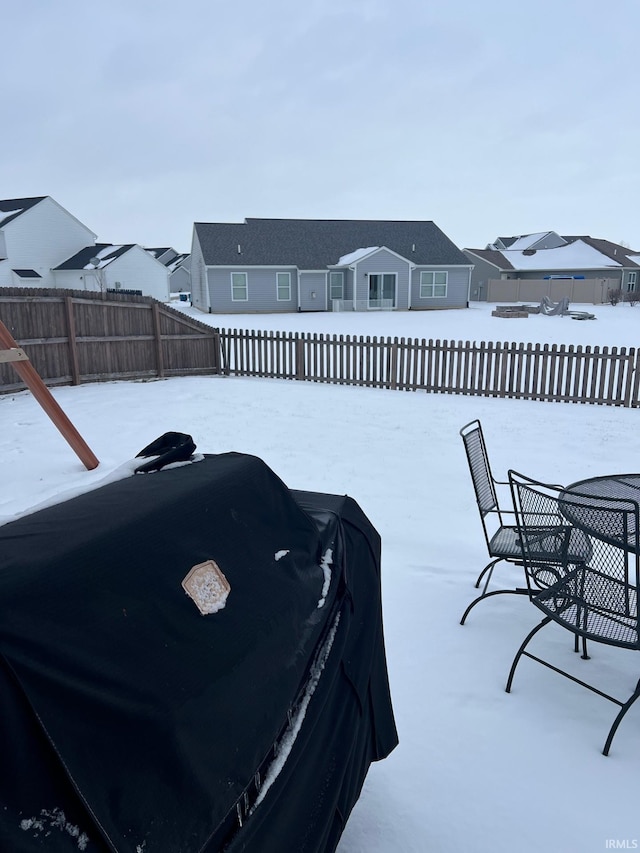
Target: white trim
278 297
395 290
341 274
370 255
434 273
412 267
246 286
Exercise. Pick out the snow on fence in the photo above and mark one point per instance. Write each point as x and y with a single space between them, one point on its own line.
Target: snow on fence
559 373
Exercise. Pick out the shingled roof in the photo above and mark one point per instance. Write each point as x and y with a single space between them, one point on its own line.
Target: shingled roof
105 252
12 208
313 244
492 256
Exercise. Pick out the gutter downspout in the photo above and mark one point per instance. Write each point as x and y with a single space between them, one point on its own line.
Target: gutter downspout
412 269
354 270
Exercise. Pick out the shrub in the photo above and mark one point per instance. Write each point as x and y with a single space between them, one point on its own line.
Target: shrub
632 296
614 295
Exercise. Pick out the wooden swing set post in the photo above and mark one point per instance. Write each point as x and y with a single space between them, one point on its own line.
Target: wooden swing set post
11 353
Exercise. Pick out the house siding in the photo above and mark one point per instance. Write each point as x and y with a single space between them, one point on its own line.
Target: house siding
134 270
261 290
199 281
381 262
481 275
457 288
313 283
40 239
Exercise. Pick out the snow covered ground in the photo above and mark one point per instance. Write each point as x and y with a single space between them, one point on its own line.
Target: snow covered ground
476 770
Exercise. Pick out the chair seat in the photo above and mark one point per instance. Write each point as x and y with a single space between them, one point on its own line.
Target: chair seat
549 544
593 605
505 543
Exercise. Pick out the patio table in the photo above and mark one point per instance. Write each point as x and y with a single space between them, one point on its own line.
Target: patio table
585 502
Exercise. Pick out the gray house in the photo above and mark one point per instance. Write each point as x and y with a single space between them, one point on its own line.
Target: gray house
528 267
273 265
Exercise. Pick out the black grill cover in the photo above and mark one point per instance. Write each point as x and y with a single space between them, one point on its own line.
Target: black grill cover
131 722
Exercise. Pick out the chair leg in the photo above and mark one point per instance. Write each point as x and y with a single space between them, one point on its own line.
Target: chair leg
618 719
517 591
585 655
488 568
522 648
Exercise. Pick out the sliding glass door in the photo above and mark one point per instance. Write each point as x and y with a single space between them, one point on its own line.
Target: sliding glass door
382 290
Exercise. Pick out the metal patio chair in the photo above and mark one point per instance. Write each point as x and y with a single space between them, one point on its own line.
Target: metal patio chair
596 597
503 540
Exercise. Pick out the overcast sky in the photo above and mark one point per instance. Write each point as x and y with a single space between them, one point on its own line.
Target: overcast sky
489 118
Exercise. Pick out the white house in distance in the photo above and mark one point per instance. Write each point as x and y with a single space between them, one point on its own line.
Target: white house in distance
178 266
37 234
101 267
43 245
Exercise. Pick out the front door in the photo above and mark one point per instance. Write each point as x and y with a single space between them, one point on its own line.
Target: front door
382 290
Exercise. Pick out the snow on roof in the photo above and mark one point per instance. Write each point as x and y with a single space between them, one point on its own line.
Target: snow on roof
352 257
5 214
105 256
526 240
634 258
577 255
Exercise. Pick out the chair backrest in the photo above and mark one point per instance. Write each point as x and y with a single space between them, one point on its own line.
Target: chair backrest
563 526
483 482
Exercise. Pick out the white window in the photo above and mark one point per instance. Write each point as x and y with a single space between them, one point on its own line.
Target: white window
239 288
433 284
283 281
336 285
631 281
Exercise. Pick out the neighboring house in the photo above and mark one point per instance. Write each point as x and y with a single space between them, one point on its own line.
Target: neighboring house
108 267
528 267
322 265
37 234
178 266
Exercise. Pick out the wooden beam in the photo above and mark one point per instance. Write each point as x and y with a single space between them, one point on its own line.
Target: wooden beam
13 354
34 383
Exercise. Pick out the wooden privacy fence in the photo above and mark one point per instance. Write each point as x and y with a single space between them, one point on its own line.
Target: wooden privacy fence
605 376
73 336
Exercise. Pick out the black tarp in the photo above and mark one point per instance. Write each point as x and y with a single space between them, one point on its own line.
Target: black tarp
131 722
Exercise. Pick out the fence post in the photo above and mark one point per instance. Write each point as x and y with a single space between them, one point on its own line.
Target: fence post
71 335
393 365
300 373
633 363
157 339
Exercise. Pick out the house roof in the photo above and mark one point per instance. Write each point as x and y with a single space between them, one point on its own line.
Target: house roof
579 252
621 254
527 241
492 256
574 255
318 243
174 263
11 208
104 252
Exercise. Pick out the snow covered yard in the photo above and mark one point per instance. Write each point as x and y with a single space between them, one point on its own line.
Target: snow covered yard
474 764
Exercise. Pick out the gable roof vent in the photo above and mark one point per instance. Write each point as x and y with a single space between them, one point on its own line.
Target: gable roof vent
239 249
